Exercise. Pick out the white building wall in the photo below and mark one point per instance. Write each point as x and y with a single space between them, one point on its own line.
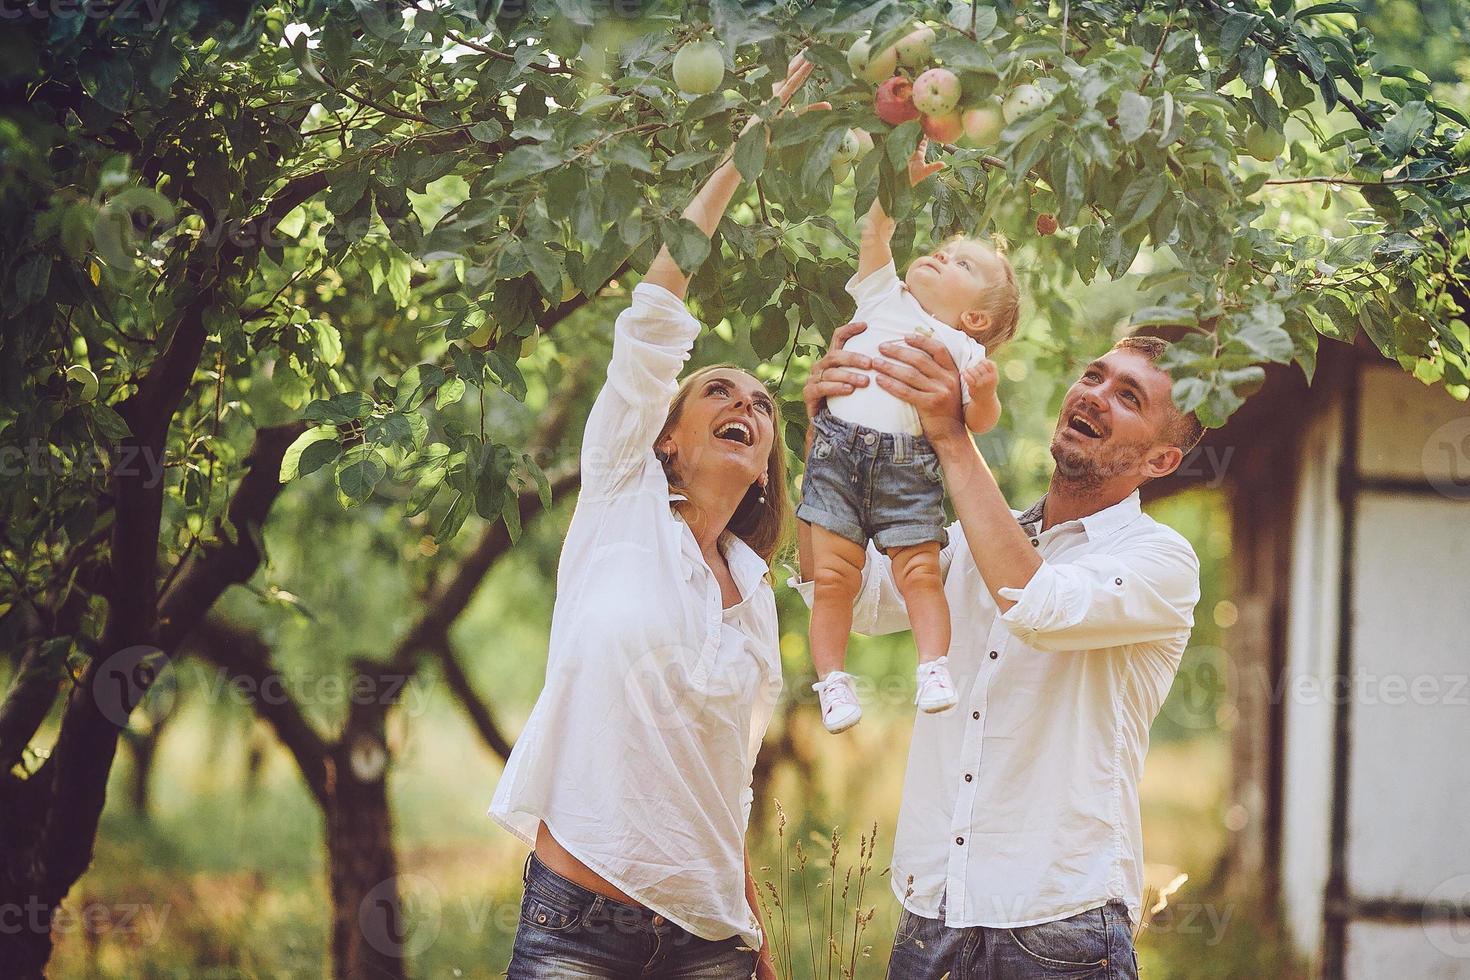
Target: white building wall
1411 951
1310 662
1409 785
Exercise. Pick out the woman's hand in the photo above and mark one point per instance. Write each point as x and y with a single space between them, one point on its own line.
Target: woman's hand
837 372
796 75
765 966
922 373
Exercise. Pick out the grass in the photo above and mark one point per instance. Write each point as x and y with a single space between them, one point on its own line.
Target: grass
226 880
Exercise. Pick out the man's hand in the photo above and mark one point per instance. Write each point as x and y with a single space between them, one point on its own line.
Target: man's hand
918 169
837 372
922 373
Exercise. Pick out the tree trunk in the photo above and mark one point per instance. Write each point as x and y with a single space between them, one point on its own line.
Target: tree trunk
371 935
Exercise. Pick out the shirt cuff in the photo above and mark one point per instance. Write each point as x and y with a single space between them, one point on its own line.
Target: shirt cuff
1036 604
655 306
803 589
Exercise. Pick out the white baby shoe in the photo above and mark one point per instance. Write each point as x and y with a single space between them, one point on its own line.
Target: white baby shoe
936 687
840 707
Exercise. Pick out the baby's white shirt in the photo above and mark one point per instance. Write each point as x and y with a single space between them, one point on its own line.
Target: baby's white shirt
891 313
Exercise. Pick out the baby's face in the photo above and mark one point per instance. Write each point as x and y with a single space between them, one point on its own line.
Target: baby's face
953 279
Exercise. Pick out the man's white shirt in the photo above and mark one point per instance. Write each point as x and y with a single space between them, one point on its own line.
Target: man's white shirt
1021 805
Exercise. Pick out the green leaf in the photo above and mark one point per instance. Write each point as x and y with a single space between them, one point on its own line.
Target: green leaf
1087 253
750 154
687 244
544 266
1400 132
1133 115
769 337
291 460
1190 393
328 341
113 425
1237 26
1259 329
340 408
449 394
1139 201
359 471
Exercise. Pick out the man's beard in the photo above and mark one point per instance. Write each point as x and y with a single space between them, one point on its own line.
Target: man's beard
1085 472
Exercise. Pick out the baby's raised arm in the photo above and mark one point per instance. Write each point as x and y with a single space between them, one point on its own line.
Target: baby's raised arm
877 230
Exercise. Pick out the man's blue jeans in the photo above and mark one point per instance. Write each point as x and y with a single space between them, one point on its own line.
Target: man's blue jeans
1094 945
569 932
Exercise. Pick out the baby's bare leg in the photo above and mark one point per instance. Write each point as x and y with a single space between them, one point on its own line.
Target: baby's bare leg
839 575
916 573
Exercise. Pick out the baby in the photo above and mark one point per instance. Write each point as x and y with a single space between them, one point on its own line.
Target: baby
871 474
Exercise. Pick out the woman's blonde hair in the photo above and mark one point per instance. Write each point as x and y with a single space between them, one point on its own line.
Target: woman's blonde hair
765 527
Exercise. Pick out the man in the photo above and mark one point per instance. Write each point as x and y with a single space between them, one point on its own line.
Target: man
1019 844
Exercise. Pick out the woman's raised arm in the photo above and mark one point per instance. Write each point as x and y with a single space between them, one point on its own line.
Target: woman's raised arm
713 198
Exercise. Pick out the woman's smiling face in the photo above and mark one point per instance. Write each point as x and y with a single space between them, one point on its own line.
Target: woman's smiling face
724 429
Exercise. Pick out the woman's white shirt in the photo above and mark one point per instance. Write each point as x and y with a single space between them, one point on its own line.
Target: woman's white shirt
639 752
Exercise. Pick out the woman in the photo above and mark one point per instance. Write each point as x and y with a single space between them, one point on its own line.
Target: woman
632 778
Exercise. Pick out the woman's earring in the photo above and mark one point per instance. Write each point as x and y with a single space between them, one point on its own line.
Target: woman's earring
762 498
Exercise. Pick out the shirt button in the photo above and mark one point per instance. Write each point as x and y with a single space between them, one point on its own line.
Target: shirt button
1035 542
1117 581
969 778
994 655
959 840
975 715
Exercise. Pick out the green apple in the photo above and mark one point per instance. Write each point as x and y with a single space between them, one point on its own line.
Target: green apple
1023 101
841 170
847 150
865 143
915 48
868 66
699 67
483 335
982 125
1264 144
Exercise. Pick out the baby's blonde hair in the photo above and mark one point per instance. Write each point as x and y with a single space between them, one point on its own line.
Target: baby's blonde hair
1003 302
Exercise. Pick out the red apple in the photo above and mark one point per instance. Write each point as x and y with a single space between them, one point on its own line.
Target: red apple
894 101
936 92
946 127
1046 224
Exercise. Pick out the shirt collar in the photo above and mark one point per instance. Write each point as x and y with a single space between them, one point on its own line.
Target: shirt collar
1099 524
746 567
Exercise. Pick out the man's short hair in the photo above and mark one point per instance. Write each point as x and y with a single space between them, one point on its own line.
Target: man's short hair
1183 428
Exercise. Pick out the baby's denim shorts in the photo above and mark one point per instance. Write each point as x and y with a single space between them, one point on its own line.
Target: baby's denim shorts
864 484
